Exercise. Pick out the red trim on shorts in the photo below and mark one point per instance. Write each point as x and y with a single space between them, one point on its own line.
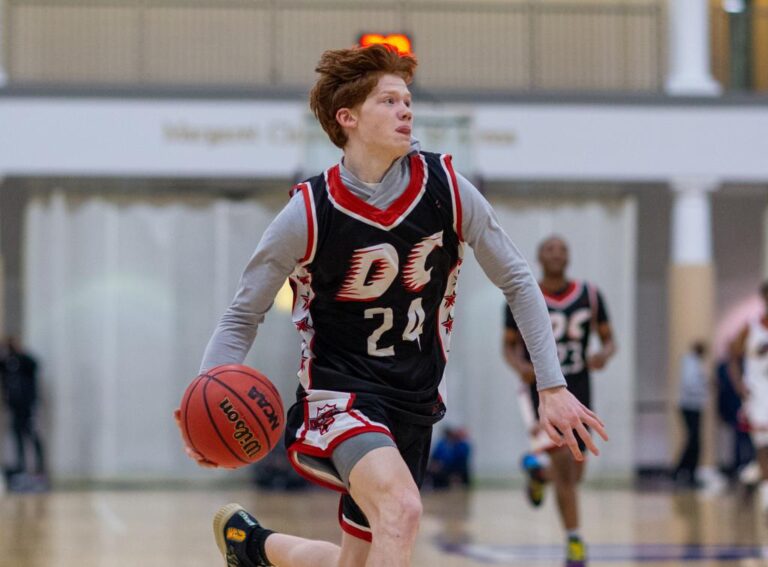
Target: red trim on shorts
301 447
298 446
346 199
310 477
352 530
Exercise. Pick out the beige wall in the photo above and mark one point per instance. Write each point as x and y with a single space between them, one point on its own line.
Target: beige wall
488 45
691 317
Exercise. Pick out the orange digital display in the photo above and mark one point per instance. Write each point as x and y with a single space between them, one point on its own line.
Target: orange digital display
399 41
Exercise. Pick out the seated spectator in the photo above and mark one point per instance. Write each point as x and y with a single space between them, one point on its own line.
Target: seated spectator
449 462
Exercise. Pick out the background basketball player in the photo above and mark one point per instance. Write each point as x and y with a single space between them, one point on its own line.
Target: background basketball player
752 385
576 309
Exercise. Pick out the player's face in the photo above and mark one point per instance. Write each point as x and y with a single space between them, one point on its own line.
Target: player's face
385 118
553 256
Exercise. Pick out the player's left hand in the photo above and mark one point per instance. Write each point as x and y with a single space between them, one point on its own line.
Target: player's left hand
597 361
560 414
191 453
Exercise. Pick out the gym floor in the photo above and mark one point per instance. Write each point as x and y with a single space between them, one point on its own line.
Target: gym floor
158 528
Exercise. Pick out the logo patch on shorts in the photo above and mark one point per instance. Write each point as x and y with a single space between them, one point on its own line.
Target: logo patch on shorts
324 419
233 534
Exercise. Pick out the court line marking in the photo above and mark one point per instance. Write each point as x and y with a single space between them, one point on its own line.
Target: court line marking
109 516
492 554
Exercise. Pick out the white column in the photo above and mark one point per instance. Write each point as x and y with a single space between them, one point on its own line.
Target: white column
3 16
692 221
689 62
692 303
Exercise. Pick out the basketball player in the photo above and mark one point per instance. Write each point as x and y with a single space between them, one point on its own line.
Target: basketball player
576 309
373 248
752 385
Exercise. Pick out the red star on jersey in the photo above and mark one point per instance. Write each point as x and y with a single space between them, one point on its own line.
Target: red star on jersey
303 325
450 300
448 324
304 280
305 301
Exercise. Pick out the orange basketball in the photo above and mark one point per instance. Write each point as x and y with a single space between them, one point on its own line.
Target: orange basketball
232 415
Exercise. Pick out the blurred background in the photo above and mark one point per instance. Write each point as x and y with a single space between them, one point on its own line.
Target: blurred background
146 145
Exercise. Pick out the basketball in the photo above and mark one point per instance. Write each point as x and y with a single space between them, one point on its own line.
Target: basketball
232 415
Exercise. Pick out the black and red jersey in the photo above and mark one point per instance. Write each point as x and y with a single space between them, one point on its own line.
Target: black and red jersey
375 292
575 312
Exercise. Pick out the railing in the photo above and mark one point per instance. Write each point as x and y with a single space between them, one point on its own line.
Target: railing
471 45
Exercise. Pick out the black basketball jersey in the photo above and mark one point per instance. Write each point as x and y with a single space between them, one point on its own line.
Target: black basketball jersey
375 292
575 312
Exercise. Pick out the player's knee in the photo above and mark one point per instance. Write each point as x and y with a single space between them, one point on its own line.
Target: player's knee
411 509
400 519
398 509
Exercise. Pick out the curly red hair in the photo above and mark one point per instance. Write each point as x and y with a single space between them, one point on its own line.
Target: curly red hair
347 77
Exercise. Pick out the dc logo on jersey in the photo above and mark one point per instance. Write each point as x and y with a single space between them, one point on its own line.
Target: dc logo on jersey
373 269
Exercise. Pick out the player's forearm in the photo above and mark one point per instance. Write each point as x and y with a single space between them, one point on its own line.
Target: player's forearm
506 267
608 349
237 328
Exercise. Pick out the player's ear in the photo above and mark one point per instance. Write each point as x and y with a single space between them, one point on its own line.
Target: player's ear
346 117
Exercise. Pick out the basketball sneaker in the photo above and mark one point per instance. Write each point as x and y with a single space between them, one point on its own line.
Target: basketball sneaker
233 529
576 554
536 480
750 474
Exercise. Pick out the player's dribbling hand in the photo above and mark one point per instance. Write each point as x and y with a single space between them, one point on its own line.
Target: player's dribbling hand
191 453
560 411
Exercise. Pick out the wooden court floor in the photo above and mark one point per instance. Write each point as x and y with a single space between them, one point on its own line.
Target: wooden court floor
164 528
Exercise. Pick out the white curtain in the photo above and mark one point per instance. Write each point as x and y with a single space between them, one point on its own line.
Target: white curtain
601 234
122 294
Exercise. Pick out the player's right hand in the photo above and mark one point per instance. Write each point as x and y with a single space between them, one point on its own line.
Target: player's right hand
191 453
561 414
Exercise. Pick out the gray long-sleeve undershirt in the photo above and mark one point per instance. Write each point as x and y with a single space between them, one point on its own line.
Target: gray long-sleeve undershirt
285 241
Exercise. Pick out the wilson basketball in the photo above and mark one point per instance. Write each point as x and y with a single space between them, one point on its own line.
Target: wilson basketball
232 415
